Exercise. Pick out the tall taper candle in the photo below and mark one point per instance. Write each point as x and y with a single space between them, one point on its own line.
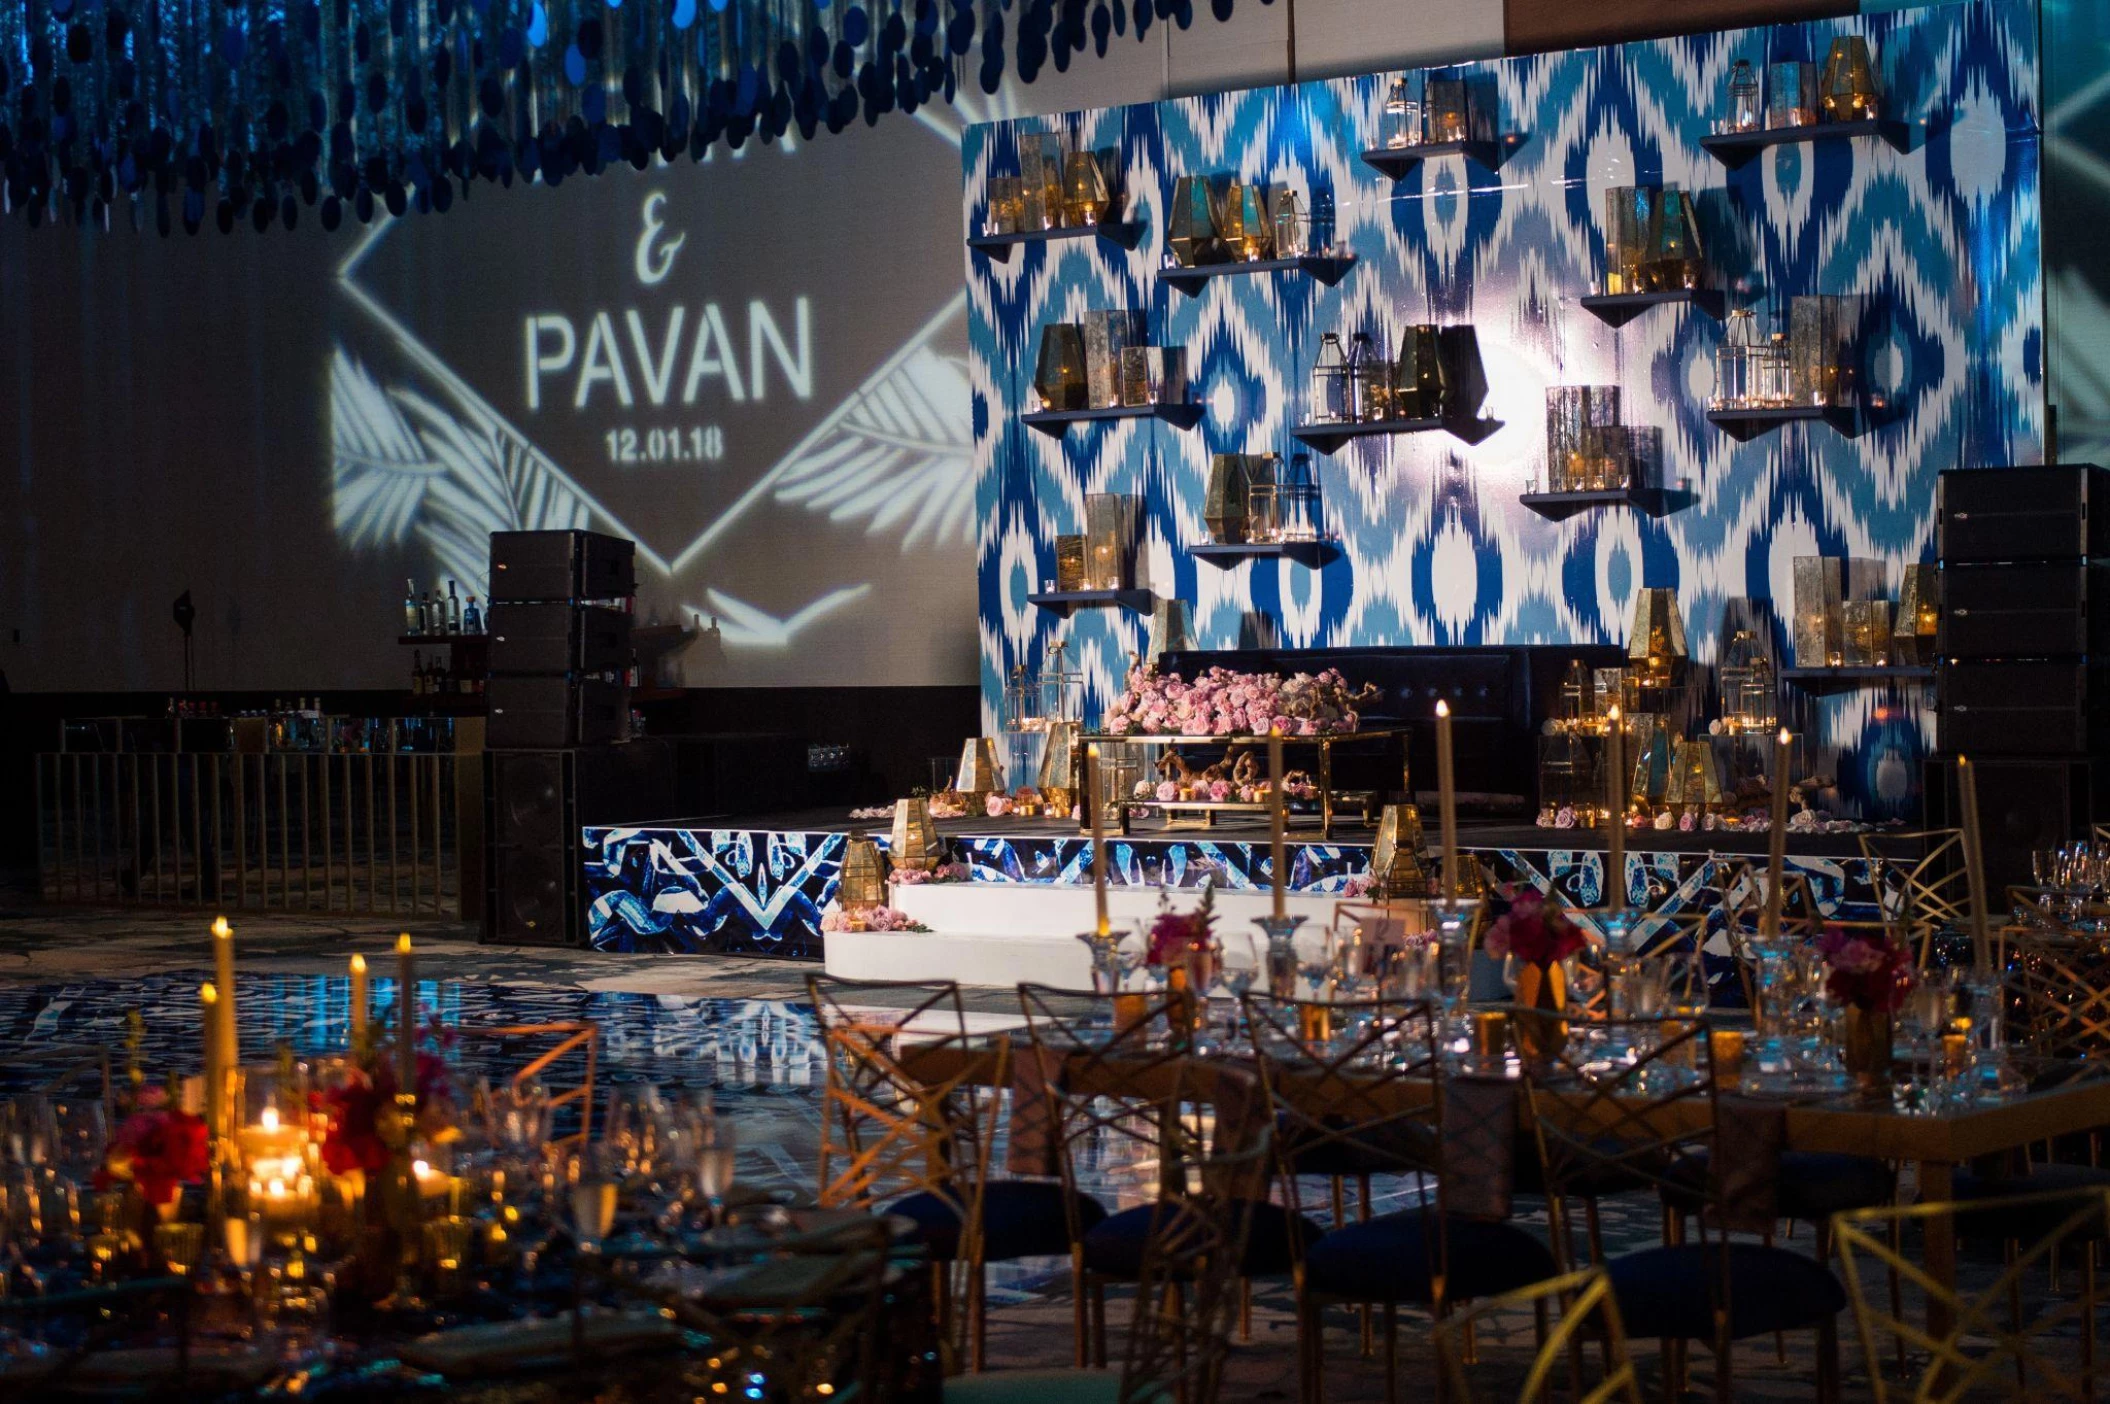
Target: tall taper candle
407 1015
1277 849
1777 837
1091 807
1615 783
215 1077
358 1002
1447 801
223 980
1974 861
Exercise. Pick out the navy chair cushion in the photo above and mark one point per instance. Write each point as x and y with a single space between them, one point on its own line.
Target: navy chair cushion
1668 1293
1391 1258
2025 1222
1814 1185
1115 1247
1020 1219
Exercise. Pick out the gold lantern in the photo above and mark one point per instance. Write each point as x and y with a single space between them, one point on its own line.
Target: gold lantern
1395 859
914 842
1069 562
1058 762
1694 783
1084 195
1849 90
1652 750
1656 649
1912 636
862 884
979 772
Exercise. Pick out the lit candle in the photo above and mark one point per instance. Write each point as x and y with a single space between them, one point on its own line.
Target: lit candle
1447 801
1777 839
1277 849
215 1079
358 1003
1615 808
1091 806
1974 861
223 978
406 1030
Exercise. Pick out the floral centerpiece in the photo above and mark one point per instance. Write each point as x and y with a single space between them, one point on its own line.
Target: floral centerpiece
1867 973
944 873
157 1150
363 1124
835 919
1221 702
1538 936
1183 946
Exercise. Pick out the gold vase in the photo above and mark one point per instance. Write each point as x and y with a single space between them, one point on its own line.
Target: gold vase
1542 989
1865 1047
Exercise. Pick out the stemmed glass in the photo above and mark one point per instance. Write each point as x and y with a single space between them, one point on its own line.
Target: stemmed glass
1239 962
716 1157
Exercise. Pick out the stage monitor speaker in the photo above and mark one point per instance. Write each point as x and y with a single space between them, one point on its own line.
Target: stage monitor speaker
553 639
2049 513
2045 609
544 713
536 803
2023 805
562 565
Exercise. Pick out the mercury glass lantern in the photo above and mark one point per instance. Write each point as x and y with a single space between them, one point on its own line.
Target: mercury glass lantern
1817 624
1331 384
1002 213
1058 375
1628 213
1191 233
1791 94
1817 356
1399 124
1105 541
1224 508
1449 111
1694 785
1849 89
1918 623
914 841
1107 333
1040 172
1746 683
1248 233
1419 378
1085 198
1745 110
1069 562
1656 647
1673 259
861 885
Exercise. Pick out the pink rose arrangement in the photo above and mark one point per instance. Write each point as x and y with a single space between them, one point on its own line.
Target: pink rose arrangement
1168 791
1868 970
836 920
1219 791
1225 703
997 804
1533 930
944 872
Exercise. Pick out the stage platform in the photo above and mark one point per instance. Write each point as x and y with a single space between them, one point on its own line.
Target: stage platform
757 886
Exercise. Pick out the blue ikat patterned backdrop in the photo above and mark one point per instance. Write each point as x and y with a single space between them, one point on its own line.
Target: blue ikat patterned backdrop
1940 244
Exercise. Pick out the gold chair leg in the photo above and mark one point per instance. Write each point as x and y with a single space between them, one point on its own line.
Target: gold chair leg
1724 1371
1391 1315
1099 1324
2009 1251
1897 1287
979 1305
1595 1230
1245 1310
1080 1324
1827 1361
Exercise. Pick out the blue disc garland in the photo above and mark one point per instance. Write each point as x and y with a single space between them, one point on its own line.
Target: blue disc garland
240 111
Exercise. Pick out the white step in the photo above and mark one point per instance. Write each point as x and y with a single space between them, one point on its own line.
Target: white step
1032 909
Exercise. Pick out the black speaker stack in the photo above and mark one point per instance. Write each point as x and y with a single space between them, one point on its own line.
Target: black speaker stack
557 754
2025 655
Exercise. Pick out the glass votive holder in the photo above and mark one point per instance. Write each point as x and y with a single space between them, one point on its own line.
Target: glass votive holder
179 1247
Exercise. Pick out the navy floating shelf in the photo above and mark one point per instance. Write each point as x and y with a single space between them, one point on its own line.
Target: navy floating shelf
1650 502
1226 554
1326 438
1733 149
1843 679
1325 268
1744 425
999 246
1068 601
1396 161
1617 309
1053 422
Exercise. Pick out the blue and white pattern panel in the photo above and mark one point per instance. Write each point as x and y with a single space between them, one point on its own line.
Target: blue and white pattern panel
729 891
1185 864
1939 245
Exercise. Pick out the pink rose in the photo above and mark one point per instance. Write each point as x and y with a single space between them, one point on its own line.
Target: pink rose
1219 790
1167 792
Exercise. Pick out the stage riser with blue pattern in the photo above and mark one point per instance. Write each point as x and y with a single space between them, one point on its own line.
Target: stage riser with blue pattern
1940 243
752 892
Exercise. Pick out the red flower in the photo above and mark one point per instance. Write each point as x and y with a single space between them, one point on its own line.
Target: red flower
1174 934
355 1107
1867 970
160 1151
1534 931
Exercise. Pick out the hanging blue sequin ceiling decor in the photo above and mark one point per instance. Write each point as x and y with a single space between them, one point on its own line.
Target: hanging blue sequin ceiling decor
229 111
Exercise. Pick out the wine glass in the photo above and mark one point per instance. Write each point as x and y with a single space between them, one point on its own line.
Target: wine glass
80 1129
715 1162
1239 961
593 1179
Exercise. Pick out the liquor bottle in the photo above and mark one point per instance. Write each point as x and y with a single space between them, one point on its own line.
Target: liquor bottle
417 673
454 610
413 617
428 617
472 618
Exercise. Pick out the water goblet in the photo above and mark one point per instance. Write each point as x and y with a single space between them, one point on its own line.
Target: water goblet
716 1162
